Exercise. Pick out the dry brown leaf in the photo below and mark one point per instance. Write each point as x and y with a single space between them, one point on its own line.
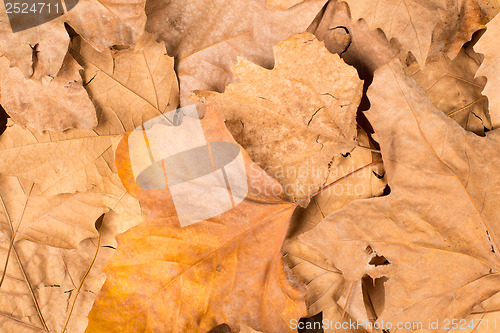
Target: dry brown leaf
194 278
355 178
101 23
41 65
54 105
484 318
205 51
359 46
293 124
413 22
128 86
438 229
69 162
81 160
63 220
53 289
452 88
488 45
337 316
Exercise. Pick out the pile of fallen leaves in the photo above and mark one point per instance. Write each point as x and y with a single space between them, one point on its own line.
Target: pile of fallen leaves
375 120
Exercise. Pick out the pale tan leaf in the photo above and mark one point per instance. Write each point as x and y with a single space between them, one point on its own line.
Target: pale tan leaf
416 24
40 62
434 238
453 89
205 51
125 96
356 177
68 162
309 119
102 24
488 46
63 283
128 86
354 41
53 105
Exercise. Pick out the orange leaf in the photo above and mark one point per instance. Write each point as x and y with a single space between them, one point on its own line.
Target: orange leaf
226 269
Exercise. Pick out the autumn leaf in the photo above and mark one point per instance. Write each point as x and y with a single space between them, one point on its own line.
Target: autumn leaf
102 24
490 67
41 106
39 62
434 238
360 175
205 51
128 86
453 89
354 41
413 22
310 119
80 160
52 289
167 278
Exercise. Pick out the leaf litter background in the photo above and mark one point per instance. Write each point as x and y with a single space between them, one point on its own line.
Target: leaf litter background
396 102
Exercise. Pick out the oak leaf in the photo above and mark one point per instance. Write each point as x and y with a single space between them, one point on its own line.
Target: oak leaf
227 269
413 22
433 241
205 51
294 124
490 67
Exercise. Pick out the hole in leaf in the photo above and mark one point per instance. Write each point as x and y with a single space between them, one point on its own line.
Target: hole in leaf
379 261
373 296
311 324
222 328
3 120
387 190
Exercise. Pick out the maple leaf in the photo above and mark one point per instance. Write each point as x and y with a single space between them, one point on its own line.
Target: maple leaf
413 22
197 277
101 23
128 86
360 175
309 118
39 61
52 289
125 96
205 51
62 220
434 238
490 67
